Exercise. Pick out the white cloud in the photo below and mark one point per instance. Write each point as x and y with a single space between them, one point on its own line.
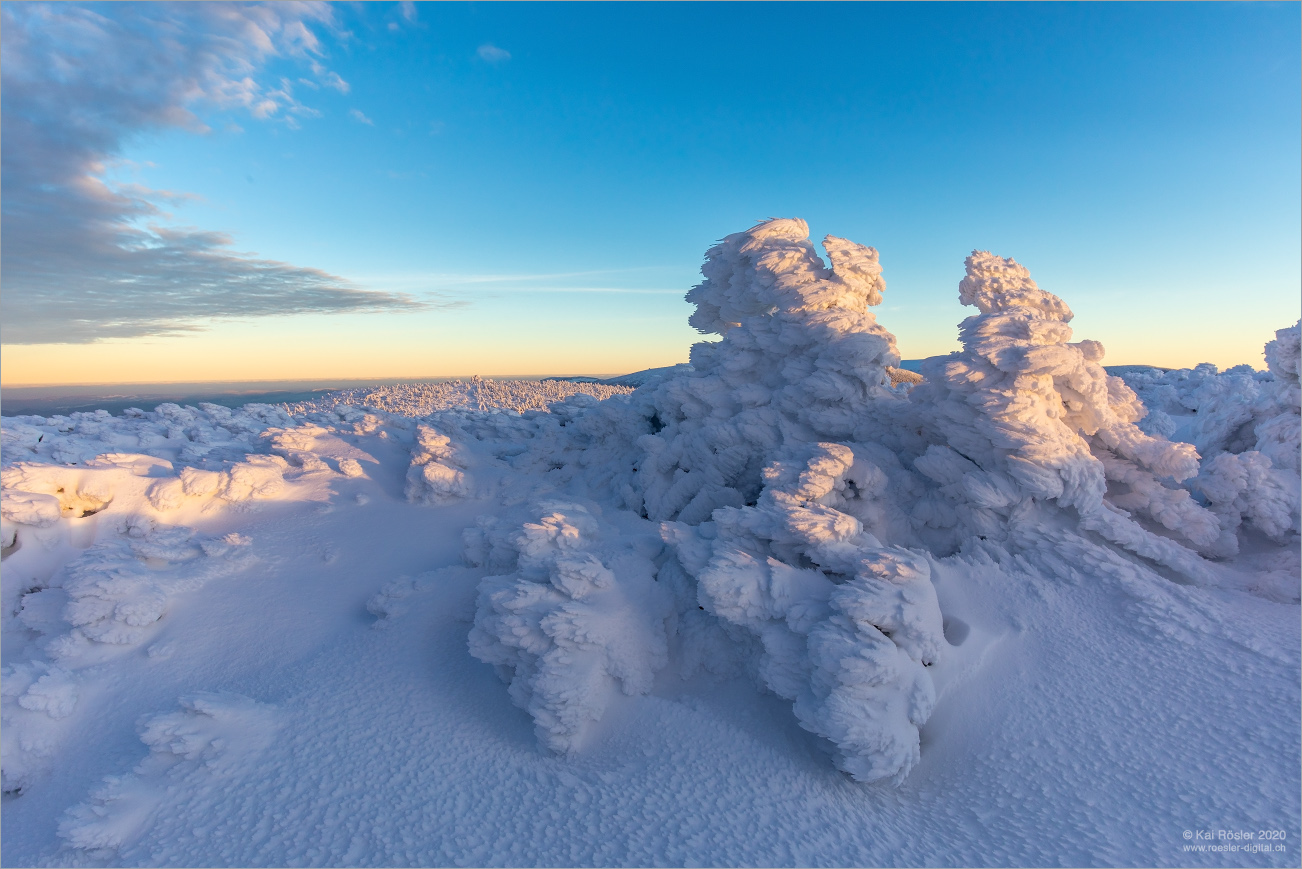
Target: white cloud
408 9
493 54
356 115
85 259
332 80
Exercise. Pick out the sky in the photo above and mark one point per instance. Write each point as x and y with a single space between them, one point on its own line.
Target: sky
222 192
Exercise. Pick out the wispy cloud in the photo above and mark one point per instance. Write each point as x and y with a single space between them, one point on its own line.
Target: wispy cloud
446 282
631 291
492 54
407 11
85 259
332 80
356 115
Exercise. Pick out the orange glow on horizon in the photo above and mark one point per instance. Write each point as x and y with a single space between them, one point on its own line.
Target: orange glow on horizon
228 354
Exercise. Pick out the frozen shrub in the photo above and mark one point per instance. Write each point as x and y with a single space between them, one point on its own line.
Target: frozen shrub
845 625
1022 420
579 618
437 472
1262 484
776 455
1279 434
800 359
485 394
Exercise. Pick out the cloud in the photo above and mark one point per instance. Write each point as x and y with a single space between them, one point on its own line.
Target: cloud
408 9
493 54
356 115
85 259
332 80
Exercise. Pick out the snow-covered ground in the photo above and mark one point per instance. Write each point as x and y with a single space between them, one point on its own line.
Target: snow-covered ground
783 606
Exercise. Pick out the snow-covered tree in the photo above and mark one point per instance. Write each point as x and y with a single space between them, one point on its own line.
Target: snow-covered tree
1022 419
800 359
766 458
1262 485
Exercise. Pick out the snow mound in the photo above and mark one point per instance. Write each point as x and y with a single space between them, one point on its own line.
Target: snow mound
212 735
438 469
37 700
580 619
27 508
259 476
106 601
649 375
395 598
119 588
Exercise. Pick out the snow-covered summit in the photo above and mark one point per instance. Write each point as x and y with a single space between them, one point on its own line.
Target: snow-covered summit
1019 584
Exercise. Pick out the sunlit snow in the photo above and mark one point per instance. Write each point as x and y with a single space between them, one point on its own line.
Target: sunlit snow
786 605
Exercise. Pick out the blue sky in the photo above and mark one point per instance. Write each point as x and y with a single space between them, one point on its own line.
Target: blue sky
447 189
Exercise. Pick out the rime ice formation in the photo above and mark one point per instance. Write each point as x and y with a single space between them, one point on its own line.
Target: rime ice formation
1245 425
484 394
437 472
847 636
756 448
577 618
1023 418
804 496
1279 436
1263 484
800 359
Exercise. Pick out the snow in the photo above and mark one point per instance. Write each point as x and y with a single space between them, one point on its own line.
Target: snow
421 399
578 618
780 606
